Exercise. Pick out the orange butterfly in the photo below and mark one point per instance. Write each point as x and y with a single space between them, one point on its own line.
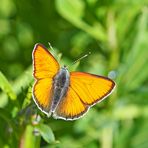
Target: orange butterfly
63 94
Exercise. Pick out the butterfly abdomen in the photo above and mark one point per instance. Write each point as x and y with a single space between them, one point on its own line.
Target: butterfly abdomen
60 87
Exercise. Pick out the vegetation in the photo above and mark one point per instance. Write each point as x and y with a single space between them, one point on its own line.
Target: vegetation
115 32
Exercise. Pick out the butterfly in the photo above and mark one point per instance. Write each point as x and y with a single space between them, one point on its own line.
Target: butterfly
63 94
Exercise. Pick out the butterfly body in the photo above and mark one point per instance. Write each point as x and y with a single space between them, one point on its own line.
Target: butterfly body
60 87
63 94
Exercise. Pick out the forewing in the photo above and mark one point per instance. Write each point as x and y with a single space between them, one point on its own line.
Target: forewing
45 65
90 88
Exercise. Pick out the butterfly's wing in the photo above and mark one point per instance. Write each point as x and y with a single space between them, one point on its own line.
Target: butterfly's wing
91 88
70 107
42 93
45 67
85 90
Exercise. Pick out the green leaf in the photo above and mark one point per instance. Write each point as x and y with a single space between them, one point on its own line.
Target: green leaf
46 133
29 139
6 87
21 82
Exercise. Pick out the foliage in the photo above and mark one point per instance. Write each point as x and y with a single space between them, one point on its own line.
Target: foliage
114 31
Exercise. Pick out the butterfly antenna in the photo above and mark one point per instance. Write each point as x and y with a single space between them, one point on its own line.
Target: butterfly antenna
84 56
51 48
53 51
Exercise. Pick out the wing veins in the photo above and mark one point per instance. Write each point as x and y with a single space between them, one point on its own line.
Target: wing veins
79 96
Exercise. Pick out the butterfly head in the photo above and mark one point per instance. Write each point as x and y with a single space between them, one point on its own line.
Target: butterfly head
65 67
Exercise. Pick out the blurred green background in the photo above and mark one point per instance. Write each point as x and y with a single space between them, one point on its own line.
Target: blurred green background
116 33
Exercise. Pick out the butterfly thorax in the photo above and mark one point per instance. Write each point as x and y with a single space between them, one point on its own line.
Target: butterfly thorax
60 87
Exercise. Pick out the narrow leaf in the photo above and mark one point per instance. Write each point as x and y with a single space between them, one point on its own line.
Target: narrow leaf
6 87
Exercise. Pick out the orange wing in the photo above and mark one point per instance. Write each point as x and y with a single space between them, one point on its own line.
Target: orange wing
91 88
42 93
45 65
45 68
85 90
70 107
